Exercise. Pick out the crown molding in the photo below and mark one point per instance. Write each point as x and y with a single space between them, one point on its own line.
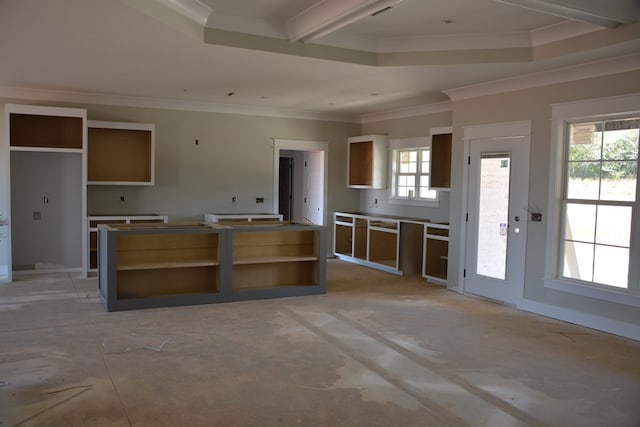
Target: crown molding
443 42
47 95
561 31
420 110
605 67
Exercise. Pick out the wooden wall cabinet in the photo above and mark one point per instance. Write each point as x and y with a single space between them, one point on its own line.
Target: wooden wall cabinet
441 161
46 131
120 153
367 159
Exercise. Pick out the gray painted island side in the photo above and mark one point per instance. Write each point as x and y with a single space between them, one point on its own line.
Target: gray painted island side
143 266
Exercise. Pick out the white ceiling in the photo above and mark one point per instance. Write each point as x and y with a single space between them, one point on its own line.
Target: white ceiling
136 50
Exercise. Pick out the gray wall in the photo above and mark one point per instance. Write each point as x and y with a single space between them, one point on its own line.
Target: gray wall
54 240
534 105
234 157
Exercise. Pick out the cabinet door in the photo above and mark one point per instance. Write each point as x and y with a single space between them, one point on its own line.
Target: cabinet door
441 161
367 161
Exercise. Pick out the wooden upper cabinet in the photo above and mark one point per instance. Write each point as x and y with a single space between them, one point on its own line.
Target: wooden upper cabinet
40 131
441 161
120 153
367 161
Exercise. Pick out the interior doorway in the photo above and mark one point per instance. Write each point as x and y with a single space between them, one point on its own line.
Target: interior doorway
496 222
285 186
300 181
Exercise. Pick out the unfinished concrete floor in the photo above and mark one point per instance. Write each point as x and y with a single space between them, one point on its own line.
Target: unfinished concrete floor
376 350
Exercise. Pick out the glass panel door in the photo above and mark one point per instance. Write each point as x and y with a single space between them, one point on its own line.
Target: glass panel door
493 214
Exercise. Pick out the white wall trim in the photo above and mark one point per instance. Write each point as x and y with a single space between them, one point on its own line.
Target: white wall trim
617 105
498 130
420 110
599 323
45 95
440 130
604 67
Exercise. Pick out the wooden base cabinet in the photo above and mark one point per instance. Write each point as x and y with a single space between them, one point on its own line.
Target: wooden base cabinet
148 266
143 266
276 262
398 245
95 220
435 253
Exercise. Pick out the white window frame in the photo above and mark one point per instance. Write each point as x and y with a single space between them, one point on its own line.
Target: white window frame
403 144
562 115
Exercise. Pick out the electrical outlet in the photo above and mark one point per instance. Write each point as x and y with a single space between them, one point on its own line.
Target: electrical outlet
536 217
259 199
37 216
233 199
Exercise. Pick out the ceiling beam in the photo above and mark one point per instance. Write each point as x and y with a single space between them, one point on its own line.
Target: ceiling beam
327 16
608 14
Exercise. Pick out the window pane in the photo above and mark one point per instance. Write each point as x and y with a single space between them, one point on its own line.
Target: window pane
426 155
620 144
578 261
580 222
406 185
493 214
611 266
619 180
585 141
424 191
408 161
583 180
614 225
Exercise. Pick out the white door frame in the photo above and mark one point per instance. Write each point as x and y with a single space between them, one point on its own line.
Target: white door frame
487 131
299 145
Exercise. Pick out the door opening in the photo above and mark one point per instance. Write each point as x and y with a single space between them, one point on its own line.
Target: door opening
496 214
285 186
308 185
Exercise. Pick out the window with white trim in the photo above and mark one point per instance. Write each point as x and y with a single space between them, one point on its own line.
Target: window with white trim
593 232
599 198
411 174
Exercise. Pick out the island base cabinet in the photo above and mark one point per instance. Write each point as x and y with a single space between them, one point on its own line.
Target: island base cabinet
264 276
147 265
285 262
158 265
163 282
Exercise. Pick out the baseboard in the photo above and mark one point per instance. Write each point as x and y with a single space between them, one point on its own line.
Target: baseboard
616 327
